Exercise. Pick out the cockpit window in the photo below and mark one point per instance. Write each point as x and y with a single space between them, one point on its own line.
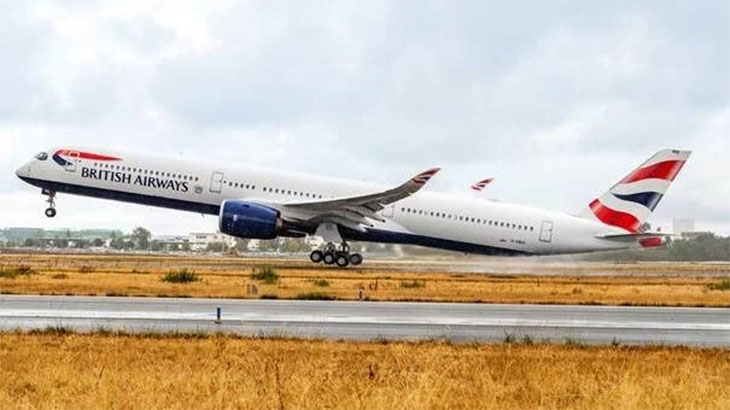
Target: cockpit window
41 156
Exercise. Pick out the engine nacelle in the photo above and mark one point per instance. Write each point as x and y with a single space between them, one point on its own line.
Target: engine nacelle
248 220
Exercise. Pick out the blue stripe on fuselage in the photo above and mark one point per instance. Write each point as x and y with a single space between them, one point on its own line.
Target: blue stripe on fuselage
382 236
648 199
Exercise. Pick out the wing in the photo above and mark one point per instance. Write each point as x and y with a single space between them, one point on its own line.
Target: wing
354 212
479 185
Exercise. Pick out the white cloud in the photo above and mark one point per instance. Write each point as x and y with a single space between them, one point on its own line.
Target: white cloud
556 99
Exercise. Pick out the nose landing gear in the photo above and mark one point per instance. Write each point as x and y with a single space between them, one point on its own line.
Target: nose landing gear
333 255
51 210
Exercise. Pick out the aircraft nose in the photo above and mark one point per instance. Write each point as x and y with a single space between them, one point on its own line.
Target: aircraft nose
23 172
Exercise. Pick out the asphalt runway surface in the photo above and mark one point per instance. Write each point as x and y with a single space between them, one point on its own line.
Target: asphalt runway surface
458 322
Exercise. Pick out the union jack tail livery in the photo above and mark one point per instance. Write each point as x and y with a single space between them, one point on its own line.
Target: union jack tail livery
629 203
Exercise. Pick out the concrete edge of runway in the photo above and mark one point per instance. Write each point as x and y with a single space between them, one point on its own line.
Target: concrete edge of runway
351 320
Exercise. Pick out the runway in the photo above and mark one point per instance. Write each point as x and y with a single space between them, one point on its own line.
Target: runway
458 322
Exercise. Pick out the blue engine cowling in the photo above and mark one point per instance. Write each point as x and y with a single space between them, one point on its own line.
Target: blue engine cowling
248 220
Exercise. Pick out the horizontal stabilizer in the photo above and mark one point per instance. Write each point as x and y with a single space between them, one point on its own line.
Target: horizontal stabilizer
633 235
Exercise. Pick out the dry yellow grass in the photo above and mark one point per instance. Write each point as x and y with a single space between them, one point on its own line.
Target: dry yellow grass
644 284
120 372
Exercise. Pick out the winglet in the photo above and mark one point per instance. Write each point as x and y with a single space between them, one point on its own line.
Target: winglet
424 176
478 186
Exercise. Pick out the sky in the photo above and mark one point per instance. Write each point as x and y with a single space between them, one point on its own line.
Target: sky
556 100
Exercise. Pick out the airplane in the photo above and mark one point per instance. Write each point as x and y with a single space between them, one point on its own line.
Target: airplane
252 202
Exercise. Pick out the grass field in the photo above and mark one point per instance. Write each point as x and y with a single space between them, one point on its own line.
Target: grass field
117 371
588 283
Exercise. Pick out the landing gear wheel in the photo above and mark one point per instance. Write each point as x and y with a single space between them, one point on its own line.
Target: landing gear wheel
355 259
342 260
329 258
51 210
316 256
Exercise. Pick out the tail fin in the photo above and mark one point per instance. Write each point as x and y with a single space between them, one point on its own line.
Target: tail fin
629 203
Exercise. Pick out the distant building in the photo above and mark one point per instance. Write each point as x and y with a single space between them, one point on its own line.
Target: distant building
683 226
200 241
314 241
253 245
172 242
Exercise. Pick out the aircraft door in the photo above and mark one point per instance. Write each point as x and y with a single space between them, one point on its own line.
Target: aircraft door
216 182
546 231
71 163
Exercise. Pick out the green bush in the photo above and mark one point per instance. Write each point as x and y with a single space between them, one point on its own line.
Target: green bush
414 284
53 330
269 296
315 296
13 272
266 274
323 283
181 276
721 285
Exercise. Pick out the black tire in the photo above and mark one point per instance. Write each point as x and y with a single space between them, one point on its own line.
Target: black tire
356 259
50 212
342 260
328 258
316 256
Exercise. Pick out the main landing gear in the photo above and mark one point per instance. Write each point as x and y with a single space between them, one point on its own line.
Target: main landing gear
51 210
332 254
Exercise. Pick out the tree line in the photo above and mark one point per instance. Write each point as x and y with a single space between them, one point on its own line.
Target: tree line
699 247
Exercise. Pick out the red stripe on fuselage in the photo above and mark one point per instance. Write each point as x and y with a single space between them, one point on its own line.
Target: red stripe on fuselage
613 217
88 155
666 170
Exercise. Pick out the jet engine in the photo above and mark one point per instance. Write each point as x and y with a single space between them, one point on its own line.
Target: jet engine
249 220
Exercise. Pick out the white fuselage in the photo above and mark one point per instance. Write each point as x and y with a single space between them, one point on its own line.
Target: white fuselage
427 218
